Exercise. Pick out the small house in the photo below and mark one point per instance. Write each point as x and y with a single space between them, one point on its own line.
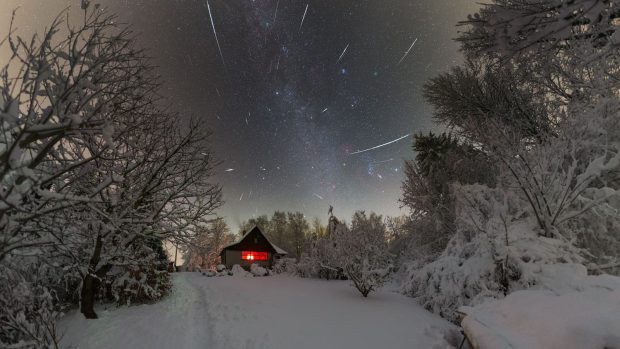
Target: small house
253 248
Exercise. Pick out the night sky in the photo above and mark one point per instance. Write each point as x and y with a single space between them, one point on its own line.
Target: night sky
285 111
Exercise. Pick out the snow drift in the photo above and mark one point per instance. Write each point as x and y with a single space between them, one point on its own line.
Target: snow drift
580 312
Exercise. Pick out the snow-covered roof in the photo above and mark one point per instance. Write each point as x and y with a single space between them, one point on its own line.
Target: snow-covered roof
229 245
276 248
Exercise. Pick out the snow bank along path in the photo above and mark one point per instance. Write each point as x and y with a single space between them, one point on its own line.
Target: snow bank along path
277 312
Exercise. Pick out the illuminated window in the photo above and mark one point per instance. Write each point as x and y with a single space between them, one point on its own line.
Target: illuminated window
254 256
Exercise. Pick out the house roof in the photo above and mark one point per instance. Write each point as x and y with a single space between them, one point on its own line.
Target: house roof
277 249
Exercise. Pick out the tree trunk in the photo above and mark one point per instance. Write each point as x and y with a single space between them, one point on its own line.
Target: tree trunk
90 283
87 298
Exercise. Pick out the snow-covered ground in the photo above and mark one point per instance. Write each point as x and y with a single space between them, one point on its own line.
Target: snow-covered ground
536 319
569 310
262 312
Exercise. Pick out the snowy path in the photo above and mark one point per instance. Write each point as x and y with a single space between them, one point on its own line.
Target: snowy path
262 313
179 321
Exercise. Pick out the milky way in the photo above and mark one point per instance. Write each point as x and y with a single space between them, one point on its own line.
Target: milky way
305 84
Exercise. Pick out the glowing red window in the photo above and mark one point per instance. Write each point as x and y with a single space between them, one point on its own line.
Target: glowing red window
254 256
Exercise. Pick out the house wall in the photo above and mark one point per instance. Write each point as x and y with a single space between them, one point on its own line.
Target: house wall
234 257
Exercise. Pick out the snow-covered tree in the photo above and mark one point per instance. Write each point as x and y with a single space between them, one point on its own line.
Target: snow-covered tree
495 251
278 230
427 191
318 230
510 27
165 193
204 249
57 97
538 95
262 222
298 228
546 161
61 96
366 259
323 257
97 174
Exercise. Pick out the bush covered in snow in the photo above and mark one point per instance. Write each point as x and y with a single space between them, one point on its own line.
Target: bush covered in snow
140 285
28 310
238 271
285 266
147 280
257 270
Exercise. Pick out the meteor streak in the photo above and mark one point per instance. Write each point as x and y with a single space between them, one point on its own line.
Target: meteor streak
381 145
406 53
382 161
304 17
318 196
275 15
342 54
230 169
215 34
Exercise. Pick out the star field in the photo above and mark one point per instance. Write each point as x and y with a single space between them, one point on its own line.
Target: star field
289 102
